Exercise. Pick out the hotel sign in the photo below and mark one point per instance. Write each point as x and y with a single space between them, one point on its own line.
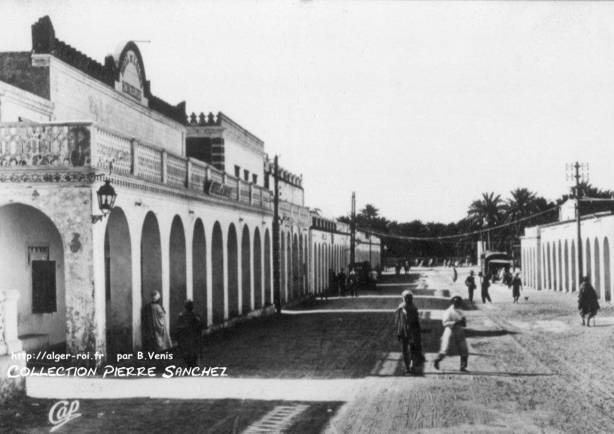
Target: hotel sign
215 188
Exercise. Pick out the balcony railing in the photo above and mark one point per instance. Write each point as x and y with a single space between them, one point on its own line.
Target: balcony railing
53 146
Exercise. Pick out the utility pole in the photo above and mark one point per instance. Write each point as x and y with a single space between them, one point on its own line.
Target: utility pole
576 175
353 231
276 245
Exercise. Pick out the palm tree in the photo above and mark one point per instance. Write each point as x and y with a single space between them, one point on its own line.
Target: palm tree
487 211
522 203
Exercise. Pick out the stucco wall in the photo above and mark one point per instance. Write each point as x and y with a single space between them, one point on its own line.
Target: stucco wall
76 96
20 227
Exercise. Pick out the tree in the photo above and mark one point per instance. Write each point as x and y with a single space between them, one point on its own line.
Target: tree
487 211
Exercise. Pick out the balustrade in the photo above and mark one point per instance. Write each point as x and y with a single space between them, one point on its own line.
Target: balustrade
62 146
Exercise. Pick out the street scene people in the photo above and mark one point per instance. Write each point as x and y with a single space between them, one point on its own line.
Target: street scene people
188 334
407 326
454 324
484 285
156 335
470 284
587 301
516 284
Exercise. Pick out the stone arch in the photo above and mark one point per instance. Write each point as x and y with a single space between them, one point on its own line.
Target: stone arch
268 299
199 270
257 270
233 271
246 271
32 258
177 271
606 270
118 283
217 274
151 258
597 272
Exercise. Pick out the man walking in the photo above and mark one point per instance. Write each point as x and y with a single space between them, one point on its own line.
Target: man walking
485 284
188 334
407 322
587 301
454 324
470 284
516 284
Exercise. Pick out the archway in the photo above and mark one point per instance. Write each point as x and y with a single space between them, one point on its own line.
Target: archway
199 270
246 270
257 270
217 274
606 269
177 269
268 299
597 278
233 272
118 283
32 258
151 258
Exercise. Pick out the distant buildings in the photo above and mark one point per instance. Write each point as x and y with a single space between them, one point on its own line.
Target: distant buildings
549 252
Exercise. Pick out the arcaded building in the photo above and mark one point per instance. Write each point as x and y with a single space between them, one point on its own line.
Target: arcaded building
550 252
190 215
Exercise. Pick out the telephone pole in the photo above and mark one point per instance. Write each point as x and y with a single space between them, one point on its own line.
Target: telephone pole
276 246
353 231
576 175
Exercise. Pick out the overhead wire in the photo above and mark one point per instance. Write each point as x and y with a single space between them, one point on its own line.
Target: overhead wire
461 235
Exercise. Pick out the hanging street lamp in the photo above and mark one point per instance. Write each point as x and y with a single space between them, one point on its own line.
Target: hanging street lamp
106 200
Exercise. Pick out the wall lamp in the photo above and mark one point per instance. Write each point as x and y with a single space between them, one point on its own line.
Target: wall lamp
106 200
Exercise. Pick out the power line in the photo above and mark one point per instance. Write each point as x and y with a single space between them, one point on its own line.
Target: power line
462 235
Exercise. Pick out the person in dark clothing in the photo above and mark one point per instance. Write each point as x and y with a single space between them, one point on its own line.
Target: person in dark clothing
407 328
470 284
587 301
188 333
342 278
516 284
485 284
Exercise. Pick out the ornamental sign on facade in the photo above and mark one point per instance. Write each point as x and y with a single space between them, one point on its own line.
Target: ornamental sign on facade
131 72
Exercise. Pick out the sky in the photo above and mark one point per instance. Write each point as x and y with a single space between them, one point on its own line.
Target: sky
418 107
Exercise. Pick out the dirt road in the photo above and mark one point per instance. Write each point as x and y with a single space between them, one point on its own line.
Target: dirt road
533 369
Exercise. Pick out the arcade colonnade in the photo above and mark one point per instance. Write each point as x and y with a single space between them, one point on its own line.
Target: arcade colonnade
550 256
216 254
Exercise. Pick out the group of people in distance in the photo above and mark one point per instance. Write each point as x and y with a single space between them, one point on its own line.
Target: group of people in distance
513 281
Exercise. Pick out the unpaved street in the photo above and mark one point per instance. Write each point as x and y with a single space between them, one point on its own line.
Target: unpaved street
533 368
334 366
